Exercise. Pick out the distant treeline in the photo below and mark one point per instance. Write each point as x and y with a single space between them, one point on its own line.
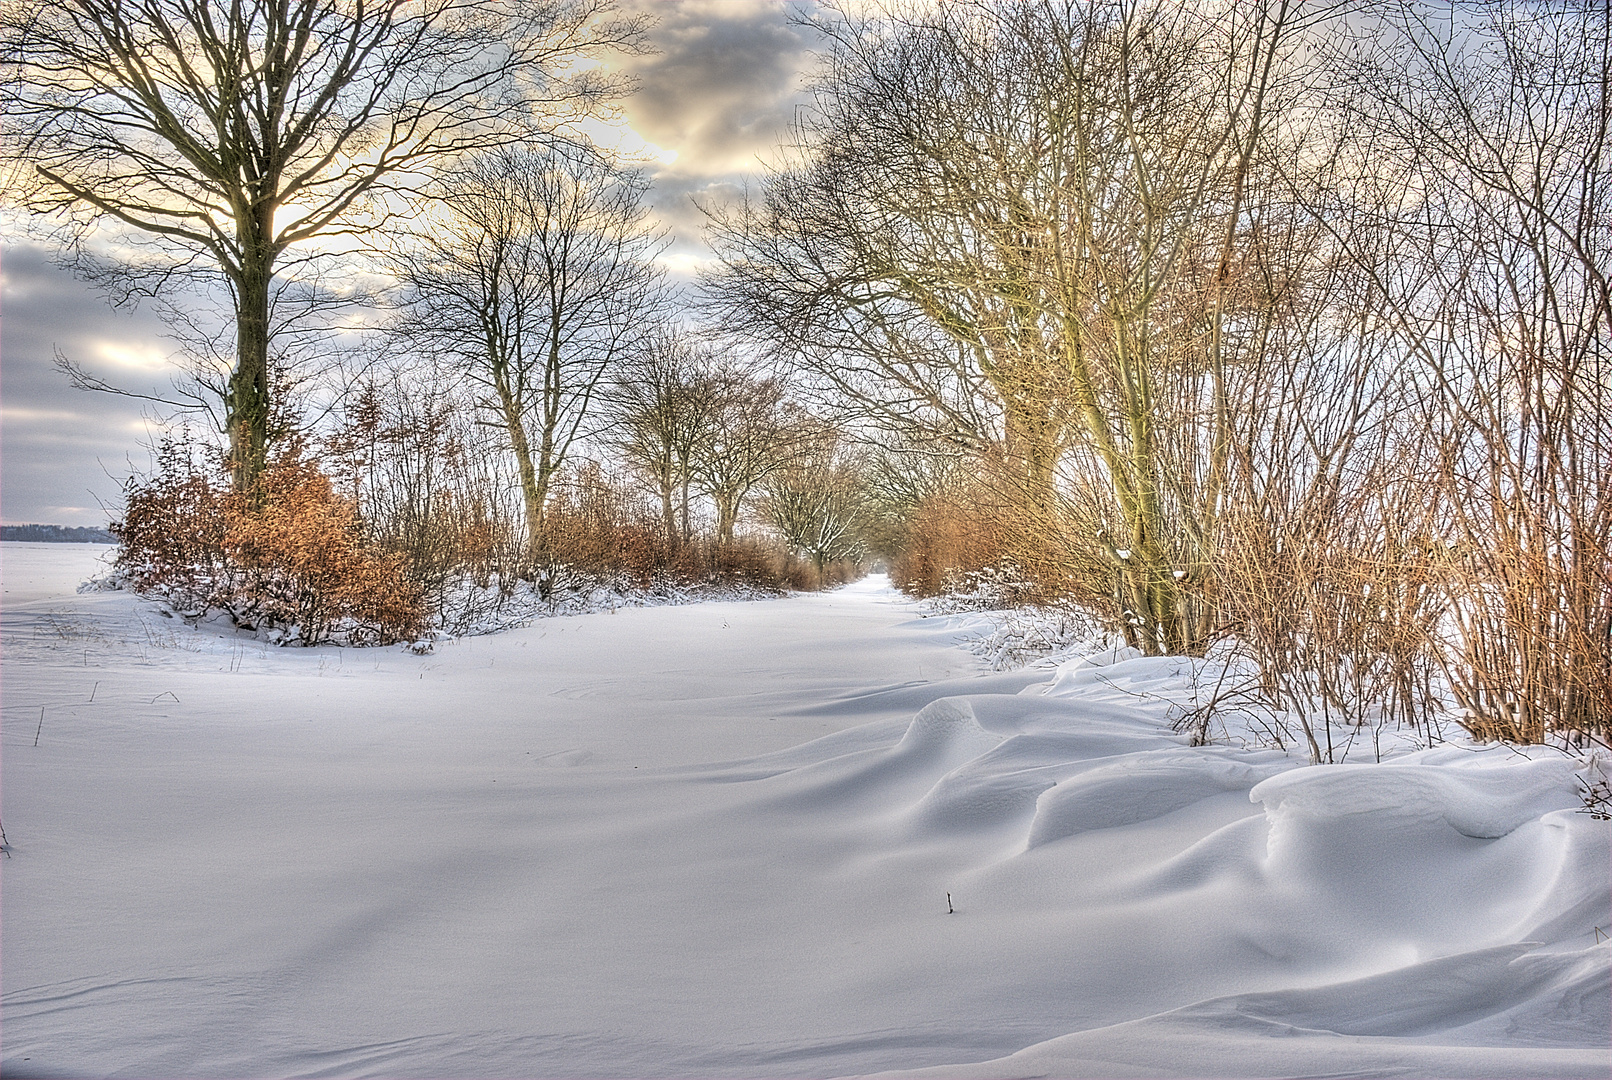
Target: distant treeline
56 534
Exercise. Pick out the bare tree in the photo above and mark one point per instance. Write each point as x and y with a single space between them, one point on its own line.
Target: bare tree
662 406
229 134
1025 228
535 283
817 502
749 435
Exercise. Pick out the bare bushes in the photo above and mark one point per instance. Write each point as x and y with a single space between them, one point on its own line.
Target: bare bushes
428 485
1528 641
439 487
1499 295
289 556
604 531
949 534
417 527
944 538
600 530
1338 605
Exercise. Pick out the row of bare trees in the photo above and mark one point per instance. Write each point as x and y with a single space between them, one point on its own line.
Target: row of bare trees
682 447
231 140
289 156
1271 324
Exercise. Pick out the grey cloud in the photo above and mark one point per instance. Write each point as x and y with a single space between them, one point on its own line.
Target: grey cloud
63 452
677 202
723 87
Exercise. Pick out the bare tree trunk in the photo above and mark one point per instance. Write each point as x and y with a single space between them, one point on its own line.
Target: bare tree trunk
727 517
247 401
532 493
683 510
668 513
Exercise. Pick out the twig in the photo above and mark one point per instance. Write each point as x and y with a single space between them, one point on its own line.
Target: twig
166 693
41 726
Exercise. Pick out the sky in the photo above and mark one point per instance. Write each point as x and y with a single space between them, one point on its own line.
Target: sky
713 102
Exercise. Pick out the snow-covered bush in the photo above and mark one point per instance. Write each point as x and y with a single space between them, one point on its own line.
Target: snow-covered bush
289 558
990 588
1012 638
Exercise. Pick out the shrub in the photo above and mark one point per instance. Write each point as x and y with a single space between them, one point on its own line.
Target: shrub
426 480
172 532
599 530
290 557
307 566
948 537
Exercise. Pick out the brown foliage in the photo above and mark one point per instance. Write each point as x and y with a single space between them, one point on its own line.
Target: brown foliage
172 532
289 555
947 535
425 480
306 562
597 528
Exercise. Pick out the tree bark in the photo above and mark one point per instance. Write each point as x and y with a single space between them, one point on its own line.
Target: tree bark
247 400
532 493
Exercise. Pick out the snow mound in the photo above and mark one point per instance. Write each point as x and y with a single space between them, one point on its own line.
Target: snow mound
1082 671
1501 1012
1482 803
1430 915
1145 786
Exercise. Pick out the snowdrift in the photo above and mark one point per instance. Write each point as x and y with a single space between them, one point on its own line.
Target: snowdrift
1441 913
516 857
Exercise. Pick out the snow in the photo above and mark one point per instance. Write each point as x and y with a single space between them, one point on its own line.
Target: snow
719 839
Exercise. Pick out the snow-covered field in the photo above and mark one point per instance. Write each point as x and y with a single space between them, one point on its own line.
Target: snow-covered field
718 840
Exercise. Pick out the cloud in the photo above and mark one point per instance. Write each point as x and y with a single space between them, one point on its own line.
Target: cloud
722 87
678 203
719 94
715 101
63 451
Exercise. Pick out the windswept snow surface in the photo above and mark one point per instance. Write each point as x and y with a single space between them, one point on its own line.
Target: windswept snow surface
718 841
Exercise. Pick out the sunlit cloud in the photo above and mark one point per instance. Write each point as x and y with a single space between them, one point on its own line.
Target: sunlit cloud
21 415
617 136
684 263
142 356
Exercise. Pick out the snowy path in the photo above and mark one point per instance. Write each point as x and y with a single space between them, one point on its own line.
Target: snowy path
607 846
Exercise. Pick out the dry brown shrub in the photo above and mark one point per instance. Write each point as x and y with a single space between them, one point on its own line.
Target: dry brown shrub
949 534
307 565
1338 604
291 555
598 527
748 560
1529 652
803 575
171 535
